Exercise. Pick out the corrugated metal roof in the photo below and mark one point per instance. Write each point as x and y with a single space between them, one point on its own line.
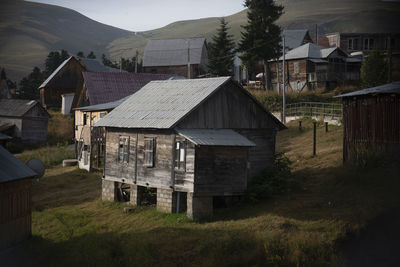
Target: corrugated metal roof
16 107
105 87
95 65
161 104
12 169
173 52
390 88
105 106
294 38
309 50
211 137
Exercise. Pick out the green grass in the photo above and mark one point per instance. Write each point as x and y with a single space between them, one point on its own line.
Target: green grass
303 227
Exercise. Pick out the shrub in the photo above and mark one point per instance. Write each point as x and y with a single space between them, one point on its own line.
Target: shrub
272 181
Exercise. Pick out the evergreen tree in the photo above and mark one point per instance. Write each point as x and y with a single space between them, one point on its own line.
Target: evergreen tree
64 55
91 55
53 60
3 75
261 37
29 86
373 70
81 54
109 63
221 52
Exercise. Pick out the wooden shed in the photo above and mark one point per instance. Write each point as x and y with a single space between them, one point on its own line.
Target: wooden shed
25 119
371 120
191 140
15 200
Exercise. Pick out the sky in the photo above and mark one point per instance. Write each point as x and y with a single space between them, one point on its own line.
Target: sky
142 15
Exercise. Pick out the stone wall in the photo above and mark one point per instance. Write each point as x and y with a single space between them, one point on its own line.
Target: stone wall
108 190
199 207
166 200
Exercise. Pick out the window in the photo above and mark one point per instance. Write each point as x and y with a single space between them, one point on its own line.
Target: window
350 46
102 114
296 68
149 145
180 155
368 43
84 118
355 44
123 153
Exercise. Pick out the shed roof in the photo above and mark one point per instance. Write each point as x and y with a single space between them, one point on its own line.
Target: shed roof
4 137
12 169
105 87
294 38
16 107
161 104
212 137
390 88
309 50
173 52
104 106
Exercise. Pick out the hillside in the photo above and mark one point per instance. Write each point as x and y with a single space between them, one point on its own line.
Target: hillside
29 31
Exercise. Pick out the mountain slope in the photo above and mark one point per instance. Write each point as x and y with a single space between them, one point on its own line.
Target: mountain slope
28 31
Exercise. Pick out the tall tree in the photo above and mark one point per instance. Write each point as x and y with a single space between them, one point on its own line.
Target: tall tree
3 75
54 59
91 55
81 54
29 85
221 51
373 69
261 37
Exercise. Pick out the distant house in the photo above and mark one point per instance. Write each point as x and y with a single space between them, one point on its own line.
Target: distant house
311 67
15 200
25 119
67 79
176 56
193 141
296 38
371 121
101 93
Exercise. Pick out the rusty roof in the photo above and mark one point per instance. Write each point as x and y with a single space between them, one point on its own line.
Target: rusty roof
105 87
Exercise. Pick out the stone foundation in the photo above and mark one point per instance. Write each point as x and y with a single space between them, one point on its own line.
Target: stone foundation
166 200
108 190
199 207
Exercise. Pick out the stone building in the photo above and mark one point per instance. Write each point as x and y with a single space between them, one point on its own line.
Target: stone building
192 141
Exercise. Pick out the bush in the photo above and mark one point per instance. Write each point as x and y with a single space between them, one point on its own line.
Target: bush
272 181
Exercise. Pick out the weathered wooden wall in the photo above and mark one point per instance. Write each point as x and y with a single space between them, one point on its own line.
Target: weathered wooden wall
34 129
15 212
371 125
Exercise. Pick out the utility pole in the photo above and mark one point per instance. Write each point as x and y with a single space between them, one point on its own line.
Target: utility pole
284 83
316 34
389 43
188 56
136 60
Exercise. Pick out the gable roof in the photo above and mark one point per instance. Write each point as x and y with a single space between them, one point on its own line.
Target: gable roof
104 87
104 106
215 137
309 50
12 169
173 52
390 88
294 38
16 107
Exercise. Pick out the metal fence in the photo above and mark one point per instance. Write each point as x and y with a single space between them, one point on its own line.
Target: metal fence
314 109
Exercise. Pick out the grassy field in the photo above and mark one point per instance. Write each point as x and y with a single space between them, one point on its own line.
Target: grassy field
304 227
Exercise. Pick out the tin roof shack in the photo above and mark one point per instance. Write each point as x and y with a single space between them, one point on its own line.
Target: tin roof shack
311 67
192 140
176 56
67 79
28 118
371 120
15 200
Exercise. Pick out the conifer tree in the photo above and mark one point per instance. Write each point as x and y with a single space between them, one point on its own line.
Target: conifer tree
221 52
261 37
373 70
91 55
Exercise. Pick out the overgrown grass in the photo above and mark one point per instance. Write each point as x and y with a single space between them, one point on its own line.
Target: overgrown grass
60 128
49 155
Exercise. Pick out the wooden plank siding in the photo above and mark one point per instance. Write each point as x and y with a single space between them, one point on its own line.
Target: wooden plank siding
15 212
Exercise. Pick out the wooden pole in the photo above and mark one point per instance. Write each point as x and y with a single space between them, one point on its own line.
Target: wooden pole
299 125
315 139
284 83
326 127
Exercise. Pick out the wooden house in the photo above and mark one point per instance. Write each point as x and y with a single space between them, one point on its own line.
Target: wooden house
371 121
67 79
15 200
183 57
311 67
25 119
191 140
101 93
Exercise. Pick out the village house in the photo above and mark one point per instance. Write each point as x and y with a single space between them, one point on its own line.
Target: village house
101 93
67 80
24 119
192 141
183 57
371 122
311 67
15 200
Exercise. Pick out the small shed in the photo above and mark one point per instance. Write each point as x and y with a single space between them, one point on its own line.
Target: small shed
193 141
371 120
27 118
15 199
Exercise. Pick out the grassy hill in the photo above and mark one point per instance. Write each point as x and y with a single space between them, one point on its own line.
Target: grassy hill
28 31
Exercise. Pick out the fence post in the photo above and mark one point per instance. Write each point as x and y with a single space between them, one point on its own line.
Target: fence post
299 125
326 127
315 139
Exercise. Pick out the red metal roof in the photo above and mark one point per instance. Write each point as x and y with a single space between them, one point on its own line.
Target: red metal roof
103 87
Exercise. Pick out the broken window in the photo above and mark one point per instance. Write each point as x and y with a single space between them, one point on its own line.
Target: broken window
180 155
149 145
123 153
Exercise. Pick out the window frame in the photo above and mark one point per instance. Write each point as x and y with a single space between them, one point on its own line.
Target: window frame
178 164
123 156
296 68
149 152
